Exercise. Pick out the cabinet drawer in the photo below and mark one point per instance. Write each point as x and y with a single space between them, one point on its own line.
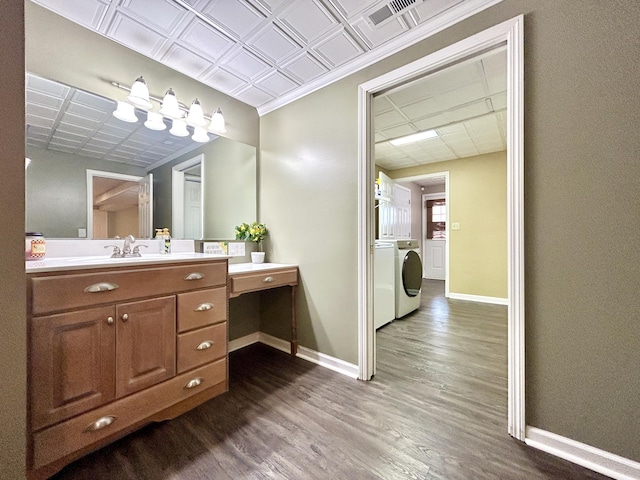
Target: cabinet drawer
201 346
65 292
204 307
65 438
253 282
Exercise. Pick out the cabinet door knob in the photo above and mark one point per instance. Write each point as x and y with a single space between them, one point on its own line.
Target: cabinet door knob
125 317
205 345
100 424
101 287
203 307
110 321
267 280
194 383
194 276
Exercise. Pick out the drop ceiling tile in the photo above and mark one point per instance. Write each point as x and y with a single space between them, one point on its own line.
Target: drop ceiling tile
34 120
381 105
431 8
375 36
452 129
274 43
245 64
185 61
276 84
61 135
269 5
80 112
100 144
308 19
304 68
420 109
338 48
62 148
43 112
204 40
379 137
75 129
499 101
135 35
236 17
354 8
88 13
90 153
468 111
387 119
253 96
222 80
399 131
162 15
435 121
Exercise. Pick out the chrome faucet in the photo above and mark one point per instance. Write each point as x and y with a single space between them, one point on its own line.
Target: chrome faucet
126 250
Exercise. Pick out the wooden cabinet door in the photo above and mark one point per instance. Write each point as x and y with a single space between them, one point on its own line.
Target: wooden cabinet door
72 359
146 344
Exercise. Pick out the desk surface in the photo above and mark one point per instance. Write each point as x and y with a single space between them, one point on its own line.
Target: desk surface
237 268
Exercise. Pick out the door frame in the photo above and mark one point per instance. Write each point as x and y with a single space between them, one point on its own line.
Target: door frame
177 194
509 33
423 213
99 173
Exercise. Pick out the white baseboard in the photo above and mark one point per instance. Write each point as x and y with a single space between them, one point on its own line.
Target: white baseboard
327 361
590 457
479 298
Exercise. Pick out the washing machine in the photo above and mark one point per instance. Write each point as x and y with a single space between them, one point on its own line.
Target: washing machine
384 280
408 277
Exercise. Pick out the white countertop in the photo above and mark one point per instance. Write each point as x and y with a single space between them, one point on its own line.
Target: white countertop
256 267
58 264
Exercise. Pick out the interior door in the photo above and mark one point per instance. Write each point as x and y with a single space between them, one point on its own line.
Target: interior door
434 255
192 207
145 207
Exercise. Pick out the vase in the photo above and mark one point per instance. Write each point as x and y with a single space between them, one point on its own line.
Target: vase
257 257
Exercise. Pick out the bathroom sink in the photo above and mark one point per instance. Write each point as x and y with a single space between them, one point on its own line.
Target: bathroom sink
101 259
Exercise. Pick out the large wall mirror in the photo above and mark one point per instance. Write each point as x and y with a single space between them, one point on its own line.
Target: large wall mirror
91 173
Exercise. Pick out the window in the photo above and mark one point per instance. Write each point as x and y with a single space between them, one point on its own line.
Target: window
436 219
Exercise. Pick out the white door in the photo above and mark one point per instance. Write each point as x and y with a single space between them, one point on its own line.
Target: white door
434 259
192 208
145 207
435 243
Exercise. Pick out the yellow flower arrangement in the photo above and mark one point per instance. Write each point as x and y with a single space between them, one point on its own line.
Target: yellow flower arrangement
254 232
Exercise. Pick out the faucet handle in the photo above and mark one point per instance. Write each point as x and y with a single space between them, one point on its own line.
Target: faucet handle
116 251
136 250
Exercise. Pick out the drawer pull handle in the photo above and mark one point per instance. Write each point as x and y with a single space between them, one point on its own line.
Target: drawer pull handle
203 307
194 383
194 276
268 280
101 287
205 345
110 321
99 424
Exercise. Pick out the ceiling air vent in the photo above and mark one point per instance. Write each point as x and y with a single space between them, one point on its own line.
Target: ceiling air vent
389 11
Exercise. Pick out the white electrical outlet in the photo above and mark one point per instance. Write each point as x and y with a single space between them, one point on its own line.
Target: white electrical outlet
455 226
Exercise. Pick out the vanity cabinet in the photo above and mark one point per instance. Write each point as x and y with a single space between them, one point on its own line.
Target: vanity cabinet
112 349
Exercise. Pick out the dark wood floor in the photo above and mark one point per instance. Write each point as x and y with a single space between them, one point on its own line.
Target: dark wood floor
436 409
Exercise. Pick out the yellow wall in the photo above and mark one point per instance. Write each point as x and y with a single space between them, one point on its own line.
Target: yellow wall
478 202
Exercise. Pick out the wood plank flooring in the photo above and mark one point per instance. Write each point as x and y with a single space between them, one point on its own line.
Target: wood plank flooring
436 409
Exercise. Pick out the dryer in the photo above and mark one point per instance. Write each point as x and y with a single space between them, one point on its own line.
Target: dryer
408 277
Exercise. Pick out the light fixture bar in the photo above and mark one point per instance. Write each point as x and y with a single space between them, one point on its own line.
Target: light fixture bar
182 106
414 137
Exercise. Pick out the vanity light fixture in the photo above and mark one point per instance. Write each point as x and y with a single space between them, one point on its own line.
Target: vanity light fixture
179 128
169 105
217 124
414 137
200 135
125 112
195 117
169 108
139 95
154 121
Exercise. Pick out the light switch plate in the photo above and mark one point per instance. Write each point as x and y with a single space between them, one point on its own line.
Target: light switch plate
455 226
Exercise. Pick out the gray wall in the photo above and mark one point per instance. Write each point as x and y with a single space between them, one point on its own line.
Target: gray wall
582 63
13 329
56 198
230 185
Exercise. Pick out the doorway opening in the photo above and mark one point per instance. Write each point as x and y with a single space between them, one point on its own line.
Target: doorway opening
119 205
508 34
187 218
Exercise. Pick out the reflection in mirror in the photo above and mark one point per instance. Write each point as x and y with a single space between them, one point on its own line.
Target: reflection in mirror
70 131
